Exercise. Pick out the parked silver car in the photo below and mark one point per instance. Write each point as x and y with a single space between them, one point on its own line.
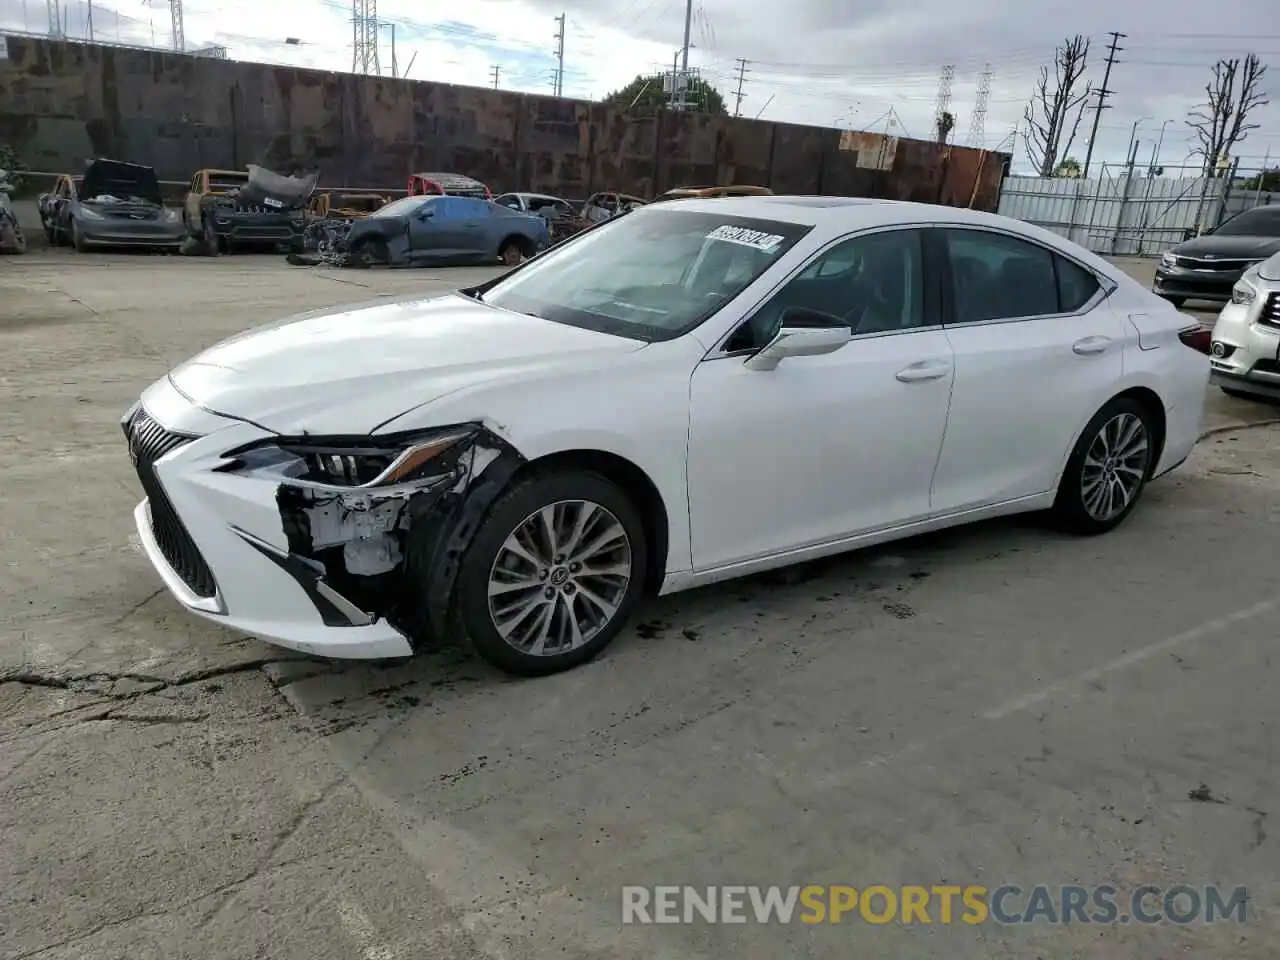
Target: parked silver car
115 204
1244 351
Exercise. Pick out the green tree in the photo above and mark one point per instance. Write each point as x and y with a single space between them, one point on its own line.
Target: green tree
648 92
1267 180
1069 168
946 122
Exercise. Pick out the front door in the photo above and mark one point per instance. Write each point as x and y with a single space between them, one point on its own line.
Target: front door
823 447
1038 351
436 231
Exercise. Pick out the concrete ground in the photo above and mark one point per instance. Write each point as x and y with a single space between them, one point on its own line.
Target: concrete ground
992 705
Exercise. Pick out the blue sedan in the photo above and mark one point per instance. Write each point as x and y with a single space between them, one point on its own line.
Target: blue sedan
435 230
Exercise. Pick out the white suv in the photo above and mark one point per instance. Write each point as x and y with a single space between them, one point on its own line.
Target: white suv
1245 348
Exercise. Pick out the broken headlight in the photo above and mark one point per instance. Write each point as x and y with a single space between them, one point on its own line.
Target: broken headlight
352 462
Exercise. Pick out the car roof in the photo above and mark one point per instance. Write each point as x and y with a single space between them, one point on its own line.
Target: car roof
835 216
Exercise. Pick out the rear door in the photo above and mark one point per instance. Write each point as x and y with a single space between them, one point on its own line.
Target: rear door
1038 350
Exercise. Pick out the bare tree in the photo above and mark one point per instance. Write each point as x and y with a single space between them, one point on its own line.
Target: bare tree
1222 121
1053 115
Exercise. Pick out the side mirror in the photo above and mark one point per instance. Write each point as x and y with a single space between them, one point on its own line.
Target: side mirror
804 333
426 216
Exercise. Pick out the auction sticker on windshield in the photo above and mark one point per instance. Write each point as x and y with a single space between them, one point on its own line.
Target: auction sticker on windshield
748 238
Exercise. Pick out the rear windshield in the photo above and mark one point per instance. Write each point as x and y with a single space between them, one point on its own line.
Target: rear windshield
652 274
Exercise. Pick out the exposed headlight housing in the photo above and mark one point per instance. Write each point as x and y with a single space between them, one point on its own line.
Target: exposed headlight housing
91 214
169 214
352 462
1243 292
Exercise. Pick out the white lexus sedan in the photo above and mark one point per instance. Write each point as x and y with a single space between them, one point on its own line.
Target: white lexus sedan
691 392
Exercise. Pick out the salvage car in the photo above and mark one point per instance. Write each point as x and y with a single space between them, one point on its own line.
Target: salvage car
1207 267
1244 348
706 193
345 205
689 393
446 185
251 207
602 206
50 203
445 230
113 204
561 215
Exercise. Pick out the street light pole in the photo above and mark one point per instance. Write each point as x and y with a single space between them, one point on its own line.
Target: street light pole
1133 132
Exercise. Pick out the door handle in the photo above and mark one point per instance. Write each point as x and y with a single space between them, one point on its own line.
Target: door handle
924 370
1090 346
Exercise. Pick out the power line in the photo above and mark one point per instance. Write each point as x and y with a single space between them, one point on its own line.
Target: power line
742 76
1104 91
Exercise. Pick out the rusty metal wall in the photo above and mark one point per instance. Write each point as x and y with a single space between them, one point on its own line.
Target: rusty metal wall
64 102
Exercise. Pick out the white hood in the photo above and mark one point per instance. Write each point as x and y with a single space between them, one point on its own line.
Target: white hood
347 372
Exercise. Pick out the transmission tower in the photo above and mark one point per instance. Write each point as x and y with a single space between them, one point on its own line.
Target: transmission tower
944 94
364 37
558 84
978 122
55 20
175 13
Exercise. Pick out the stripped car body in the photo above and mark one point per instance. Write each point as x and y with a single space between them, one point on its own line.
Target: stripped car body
709 193
446 185
229 208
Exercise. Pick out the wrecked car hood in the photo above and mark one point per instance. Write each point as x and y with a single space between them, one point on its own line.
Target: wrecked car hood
349 371
123 181
265 188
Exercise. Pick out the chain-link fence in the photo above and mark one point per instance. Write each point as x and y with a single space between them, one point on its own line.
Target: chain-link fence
1133 210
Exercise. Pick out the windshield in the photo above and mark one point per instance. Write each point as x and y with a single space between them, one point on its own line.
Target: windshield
401 208
652 274
1258 222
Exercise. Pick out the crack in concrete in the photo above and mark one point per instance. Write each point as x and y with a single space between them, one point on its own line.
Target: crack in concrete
55 681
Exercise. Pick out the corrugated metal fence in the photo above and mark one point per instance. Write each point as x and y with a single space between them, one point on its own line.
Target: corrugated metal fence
1117 214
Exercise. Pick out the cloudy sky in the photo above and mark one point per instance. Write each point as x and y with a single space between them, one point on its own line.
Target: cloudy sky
870 65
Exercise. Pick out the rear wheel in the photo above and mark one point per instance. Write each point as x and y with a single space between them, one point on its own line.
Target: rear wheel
1107 470
512 253
553 574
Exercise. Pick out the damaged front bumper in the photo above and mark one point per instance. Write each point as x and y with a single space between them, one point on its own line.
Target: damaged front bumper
245 537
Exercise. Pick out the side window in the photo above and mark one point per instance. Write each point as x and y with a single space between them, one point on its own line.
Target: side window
874 283
1076 285
436 207
509 201
998 277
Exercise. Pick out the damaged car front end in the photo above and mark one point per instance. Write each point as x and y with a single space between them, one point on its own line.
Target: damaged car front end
369 529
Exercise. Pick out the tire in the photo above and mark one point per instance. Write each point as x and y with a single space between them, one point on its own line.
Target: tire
77 238
567 493
370 253
1176 301
209 237
51 235
1239 394
511 253
1111 428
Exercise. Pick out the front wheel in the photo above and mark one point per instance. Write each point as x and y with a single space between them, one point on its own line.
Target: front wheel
553 574
370 253
77 238
1108 469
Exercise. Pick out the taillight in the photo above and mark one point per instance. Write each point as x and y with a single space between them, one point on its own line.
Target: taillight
1197 338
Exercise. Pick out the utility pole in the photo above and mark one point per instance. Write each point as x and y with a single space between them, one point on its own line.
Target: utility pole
1103 92
395 74
496 70
742 75
90 11
558 88
684 51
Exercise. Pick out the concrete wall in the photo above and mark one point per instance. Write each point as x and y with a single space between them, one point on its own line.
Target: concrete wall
63 102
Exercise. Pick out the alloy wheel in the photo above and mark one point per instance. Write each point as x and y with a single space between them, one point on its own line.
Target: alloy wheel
1115 467
560 577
